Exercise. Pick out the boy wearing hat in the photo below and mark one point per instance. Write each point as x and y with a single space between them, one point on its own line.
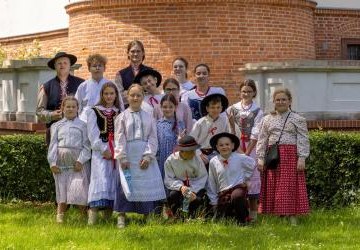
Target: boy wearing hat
53 92
211 124
228 173
150 79
184 172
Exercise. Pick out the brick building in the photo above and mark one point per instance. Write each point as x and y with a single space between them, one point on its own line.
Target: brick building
224 34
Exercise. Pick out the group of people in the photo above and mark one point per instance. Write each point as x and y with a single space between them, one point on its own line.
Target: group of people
130 146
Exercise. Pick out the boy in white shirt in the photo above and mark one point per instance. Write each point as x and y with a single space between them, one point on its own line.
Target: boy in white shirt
228 173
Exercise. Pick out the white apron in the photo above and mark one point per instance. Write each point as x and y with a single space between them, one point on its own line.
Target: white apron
146 184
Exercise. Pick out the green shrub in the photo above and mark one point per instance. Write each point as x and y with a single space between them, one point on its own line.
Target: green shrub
24 170
333 169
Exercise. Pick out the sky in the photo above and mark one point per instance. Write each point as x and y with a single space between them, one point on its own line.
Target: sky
20 17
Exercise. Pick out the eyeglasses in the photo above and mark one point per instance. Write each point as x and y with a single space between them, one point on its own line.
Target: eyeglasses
97 66
171 90
247 92
135 51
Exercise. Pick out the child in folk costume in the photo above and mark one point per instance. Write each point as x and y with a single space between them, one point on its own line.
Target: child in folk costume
184 170
228 173
88 93
283 190
169 129
245 117
194 96
150 79
69 154
103 166
136 147
211 124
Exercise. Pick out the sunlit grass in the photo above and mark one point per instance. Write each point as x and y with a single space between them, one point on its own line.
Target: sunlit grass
33 226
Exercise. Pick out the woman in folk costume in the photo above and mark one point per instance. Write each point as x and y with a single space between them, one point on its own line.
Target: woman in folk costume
283 190
245 119
136 147
100 125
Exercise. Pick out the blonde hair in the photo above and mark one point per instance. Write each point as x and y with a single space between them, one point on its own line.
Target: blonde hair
96 58
138 86
68 98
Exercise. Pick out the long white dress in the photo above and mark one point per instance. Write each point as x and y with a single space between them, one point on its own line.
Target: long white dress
69 143
103 172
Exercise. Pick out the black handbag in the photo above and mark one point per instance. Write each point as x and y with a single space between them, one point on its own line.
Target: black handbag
272 157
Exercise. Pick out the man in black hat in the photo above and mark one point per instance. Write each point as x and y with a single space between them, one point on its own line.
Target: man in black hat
52 92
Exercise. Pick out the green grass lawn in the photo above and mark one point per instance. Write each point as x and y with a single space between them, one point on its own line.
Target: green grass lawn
29 226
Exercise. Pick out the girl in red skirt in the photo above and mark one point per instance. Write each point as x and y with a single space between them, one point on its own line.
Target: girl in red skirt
283 190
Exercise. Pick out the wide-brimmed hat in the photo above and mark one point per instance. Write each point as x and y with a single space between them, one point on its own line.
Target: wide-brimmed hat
187 143
148 72
72 58
232 137
207 99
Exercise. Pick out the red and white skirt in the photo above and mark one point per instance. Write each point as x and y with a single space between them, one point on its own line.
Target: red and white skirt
283 190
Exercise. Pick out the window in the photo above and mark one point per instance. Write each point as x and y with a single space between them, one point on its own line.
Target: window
350 49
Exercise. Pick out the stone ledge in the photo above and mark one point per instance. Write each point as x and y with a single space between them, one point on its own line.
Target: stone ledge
22 126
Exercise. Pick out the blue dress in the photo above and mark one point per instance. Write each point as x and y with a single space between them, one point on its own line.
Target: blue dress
167 139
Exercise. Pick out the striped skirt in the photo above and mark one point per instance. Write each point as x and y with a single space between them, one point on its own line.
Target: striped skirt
283 190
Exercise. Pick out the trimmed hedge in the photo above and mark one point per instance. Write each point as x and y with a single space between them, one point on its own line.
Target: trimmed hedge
333 169
24 170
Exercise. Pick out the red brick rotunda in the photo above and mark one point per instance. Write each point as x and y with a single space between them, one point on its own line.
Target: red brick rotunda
223 34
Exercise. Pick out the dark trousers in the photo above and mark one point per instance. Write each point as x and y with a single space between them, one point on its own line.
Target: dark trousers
175 201
232 204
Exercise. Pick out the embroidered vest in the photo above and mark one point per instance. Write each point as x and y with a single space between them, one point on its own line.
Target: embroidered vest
105 123
245 124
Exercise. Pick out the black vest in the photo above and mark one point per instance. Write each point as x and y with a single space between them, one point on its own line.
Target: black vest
127 75
105 123
53 90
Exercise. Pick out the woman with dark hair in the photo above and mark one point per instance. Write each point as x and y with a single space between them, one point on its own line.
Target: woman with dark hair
125 77
283 189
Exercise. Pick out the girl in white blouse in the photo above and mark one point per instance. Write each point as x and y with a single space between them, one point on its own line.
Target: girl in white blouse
69 154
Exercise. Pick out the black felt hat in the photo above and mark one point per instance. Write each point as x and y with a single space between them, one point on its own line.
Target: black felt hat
148 72
232 137
207 99
187 143
72 58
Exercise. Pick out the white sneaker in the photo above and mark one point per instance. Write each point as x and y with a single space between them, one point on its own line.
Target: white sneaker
121 221
92 217
60 218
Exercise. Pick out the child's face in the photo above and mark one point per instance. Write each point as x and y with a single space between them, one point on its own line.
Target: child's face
62 66
187 155
173 89
109 96
179 68
70 109
247 93
168 108
282 102
149 83
97 70
214 109
225 146
202 75
135 98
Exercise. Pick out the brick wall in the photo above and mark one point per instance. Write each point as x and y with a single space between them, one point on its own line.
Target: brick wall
224 34
331 25
49 42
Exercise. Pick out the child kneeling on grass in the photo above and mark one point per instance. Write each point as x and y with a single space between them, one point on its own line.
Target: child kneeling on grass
228 173
185 175
69 154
